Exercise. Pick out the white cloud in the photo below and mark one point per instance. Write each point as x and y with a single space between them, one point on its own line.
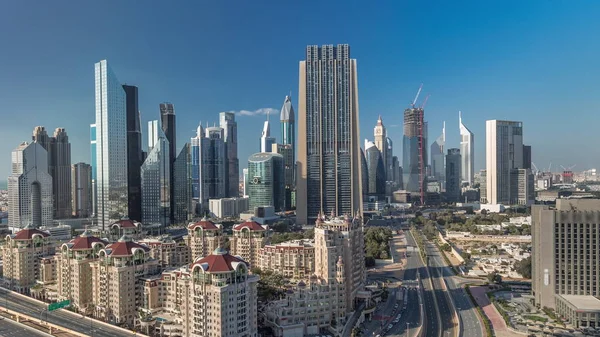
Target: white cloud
258 112
394 126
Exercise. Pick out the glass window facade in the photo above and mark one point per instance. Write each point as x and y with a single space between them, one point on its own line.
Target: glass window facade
156 184
266 185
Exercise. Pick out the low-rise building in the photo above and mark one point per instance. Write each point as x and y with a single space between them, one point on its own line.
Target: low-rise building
293 259
228 207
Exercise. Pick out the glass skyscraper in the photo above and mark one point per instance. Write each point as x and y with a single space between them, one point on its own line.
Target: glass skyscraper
412 160
183 185
376 171
229 125
134 153
266 185
94 168
329 167
167 119
156 181
209 169
111 146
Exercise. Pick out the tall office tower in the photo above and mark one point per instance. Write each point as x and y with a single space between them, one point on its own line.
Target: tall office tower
111 147
287 152
364 175
246 181
527 157
339 245
504 153
522 189
29 187
566 259
467 151
183 185
438 169
397 170
288 129
329 167
81 190
94 165
414 152
167 121
209 169
380 141
453 181
229 125
376 169
156 179
389 154
483 187
134 153
267 180
266 141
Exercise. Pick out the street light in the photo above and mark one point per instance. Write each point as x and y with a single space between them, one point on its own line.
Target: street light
407 331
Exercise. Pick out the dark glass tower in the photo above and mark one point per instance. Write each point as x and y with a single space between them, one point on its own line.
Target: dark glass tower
167 121
134 153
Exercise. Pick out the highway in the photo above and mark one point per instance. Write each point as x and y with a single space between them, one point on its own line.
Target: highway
470 326
10 328
59 317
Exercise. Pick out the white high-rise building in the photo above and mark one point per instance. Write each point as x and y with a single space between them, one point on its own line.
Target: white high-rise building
156 178
467 152
266 141
438 168
29 187
111 146
503 154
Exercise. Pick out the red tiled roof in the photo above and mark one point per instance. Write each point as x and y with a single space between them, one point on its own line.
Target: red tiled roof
125 223
220 262
85 242
205 224
27 234
124 248
251 225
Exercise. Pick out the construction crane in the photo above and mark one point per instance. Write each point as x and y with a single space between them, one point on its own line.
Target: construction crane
536 169
417 96
568 168
425 102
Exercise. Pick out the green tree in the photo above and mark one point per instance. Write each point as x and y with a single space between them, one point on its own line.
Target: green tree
494 278
446 247
523 267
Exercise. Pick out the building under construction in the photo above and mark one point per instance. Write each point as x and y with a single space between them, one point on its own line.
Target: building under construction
414 150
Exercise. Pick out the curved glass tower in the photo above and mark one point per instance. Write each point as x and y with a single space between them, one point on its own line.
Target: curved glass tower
156 180
266 185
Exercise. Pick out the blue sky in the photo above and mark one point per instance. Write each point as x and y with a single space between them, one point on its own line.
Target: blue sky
533 61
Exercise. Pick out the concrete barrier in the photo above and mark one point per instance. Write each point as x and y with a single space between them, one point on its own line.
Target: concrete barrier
50 326
454 251
455 316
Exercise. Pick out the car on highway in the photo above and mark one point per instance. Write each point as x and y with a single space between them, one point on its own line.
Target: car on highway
390 326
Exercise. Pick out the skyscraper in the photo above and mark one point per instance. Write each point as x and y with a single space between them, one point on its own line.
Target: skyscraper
94 165
156 179
504 153
267 180
414 152
527 157
389 154
266 141
81 187
364 175
183 185
329 167
376 169
287 152
29 187
111 146
288 136
245 174
381 142
167 119
134 153
209 169
453 182
438 169
467 152
58 149
229 125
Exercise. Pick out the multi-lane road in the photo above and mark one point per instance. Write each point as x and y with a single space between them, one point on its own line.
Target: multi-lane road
62 318
10 328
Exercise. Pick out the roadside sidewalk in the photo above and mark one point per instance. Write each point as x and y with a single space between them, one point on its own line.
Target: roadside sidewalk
498 323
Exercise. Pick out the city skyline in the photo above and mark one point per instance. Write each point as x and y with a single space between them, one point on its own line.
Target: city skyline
522 90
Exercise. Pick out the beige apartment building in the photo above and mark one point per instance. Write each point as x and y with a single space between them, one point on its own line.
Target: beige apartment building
128 227
215 296
566 259
117 284
293 259
203 238
74 272
21 256
247 240
167 251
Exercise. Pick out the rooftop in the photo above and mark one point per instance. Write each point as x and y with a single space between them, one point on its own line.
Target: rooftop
251 225
582 302
28 232
219 261
204 223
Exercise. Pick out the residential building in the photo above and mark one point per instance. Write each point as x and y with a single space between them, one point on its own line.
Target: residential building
21 256
134 153
522 187
74 272
168 252
483 187
414 150
111 147
81 190
229 125
228 207
566 259
183 185
29 187
117 289
467 151
247 240
267 180
156 179
453 171
94 165
125 227
329 164
438 168
208 167
203 238
287 152
293 259
167 122
376 171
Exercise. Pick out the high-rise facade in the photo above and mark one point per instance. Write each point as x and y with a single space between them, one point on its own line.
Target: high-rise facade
167 122
111 146
156 179
266 141
504 153
134 153
376 170
397 177
438 169
81 190
288 125
30 187
94 166
209 169
452 175
287 152
229 125
183 185
267 180
246 181
527 157
389 154
329 164
380 141
414 149
467 151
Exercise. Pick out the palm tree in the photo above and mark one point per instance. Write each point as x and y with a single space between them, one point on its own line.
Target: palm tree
356 332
